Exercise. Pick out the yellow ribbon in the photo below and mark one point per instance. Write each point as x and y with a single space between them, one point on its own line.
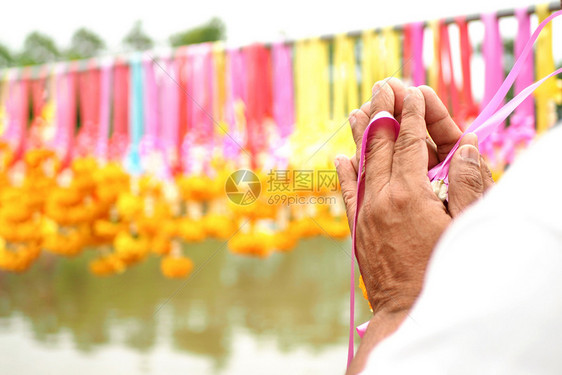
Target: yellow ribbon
391 41
548 93
346 93
372 70
433 71
345 78
312 99
219 60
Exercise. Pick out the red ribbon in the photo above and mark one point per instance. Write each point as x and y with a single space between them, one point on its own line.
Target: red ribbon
260 97
89 92
468 108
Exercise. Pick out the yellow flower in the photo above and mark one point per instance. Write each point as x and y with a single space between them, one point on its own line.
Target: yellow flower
68 244
129 206
255 243
106 230
191 230
161 245
218 226
176 266
19 259
129 249
107 265
196 188
149 185
284 241
364 290
305 228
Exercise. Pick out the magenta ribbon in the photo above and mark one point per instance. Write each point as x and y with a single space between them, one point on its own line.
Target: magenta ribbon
418 68
487 122
380 119
283 104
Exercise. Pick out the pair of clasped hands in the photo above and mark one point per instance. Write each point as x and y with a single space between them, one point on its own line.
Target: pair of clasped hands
401 218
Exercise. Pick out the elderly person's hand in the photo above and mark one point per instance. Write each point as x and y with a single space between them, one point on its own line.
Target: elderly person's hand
401 218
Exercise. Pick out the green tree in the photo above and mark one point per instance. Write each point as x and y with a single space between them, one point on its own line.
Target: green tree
211 31
38 48
137 39
84 44
6 58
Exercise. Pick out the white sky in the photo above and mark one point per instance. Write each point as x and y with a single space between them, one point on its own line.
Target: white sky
247 20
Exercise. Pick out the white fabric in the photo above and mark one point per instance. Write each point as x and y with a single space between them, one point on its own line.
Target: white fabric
492 298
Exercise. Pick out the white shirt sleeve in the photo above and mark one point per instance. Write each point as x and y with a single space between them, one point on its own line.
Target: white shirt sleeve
492 298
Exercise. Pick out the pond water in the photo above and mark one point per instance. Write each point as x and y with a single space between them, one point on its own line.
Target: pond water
287 314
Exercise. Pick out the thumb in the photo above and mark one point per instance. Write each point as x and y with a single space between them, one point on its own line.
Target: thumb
348 182
466 183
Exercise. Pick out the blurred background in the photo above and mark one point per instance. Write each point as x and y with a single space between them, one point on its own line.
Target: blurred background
121 123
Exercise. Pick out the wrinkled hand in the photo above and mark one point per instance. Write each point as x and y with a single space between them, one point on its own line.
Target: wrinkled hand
401 219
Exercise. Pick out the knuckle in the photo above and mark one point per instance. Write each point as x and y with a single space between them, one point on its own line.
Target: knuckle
400 198
408 141
383 99
414 113
470 178
347 194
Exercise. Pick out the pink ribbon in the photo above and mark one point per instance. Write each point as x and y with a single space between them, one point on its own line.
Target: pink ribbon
169 115
236 77
283 99
199 107
105 111
283 105
65 117
150 107
17 112
489 120
89 83
120 136
492 49
418 68
468 108
521 131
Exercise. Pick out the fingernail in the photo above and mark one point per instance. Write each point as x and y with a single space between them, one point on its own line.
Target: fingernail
377 87
352 119
470 154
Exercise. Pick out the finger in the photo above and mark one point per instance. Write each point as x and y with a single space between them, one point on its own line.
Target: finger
378 155
441 127
384 98
410 151
388 95
433 158
486 174
358 120
466 183
348 182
